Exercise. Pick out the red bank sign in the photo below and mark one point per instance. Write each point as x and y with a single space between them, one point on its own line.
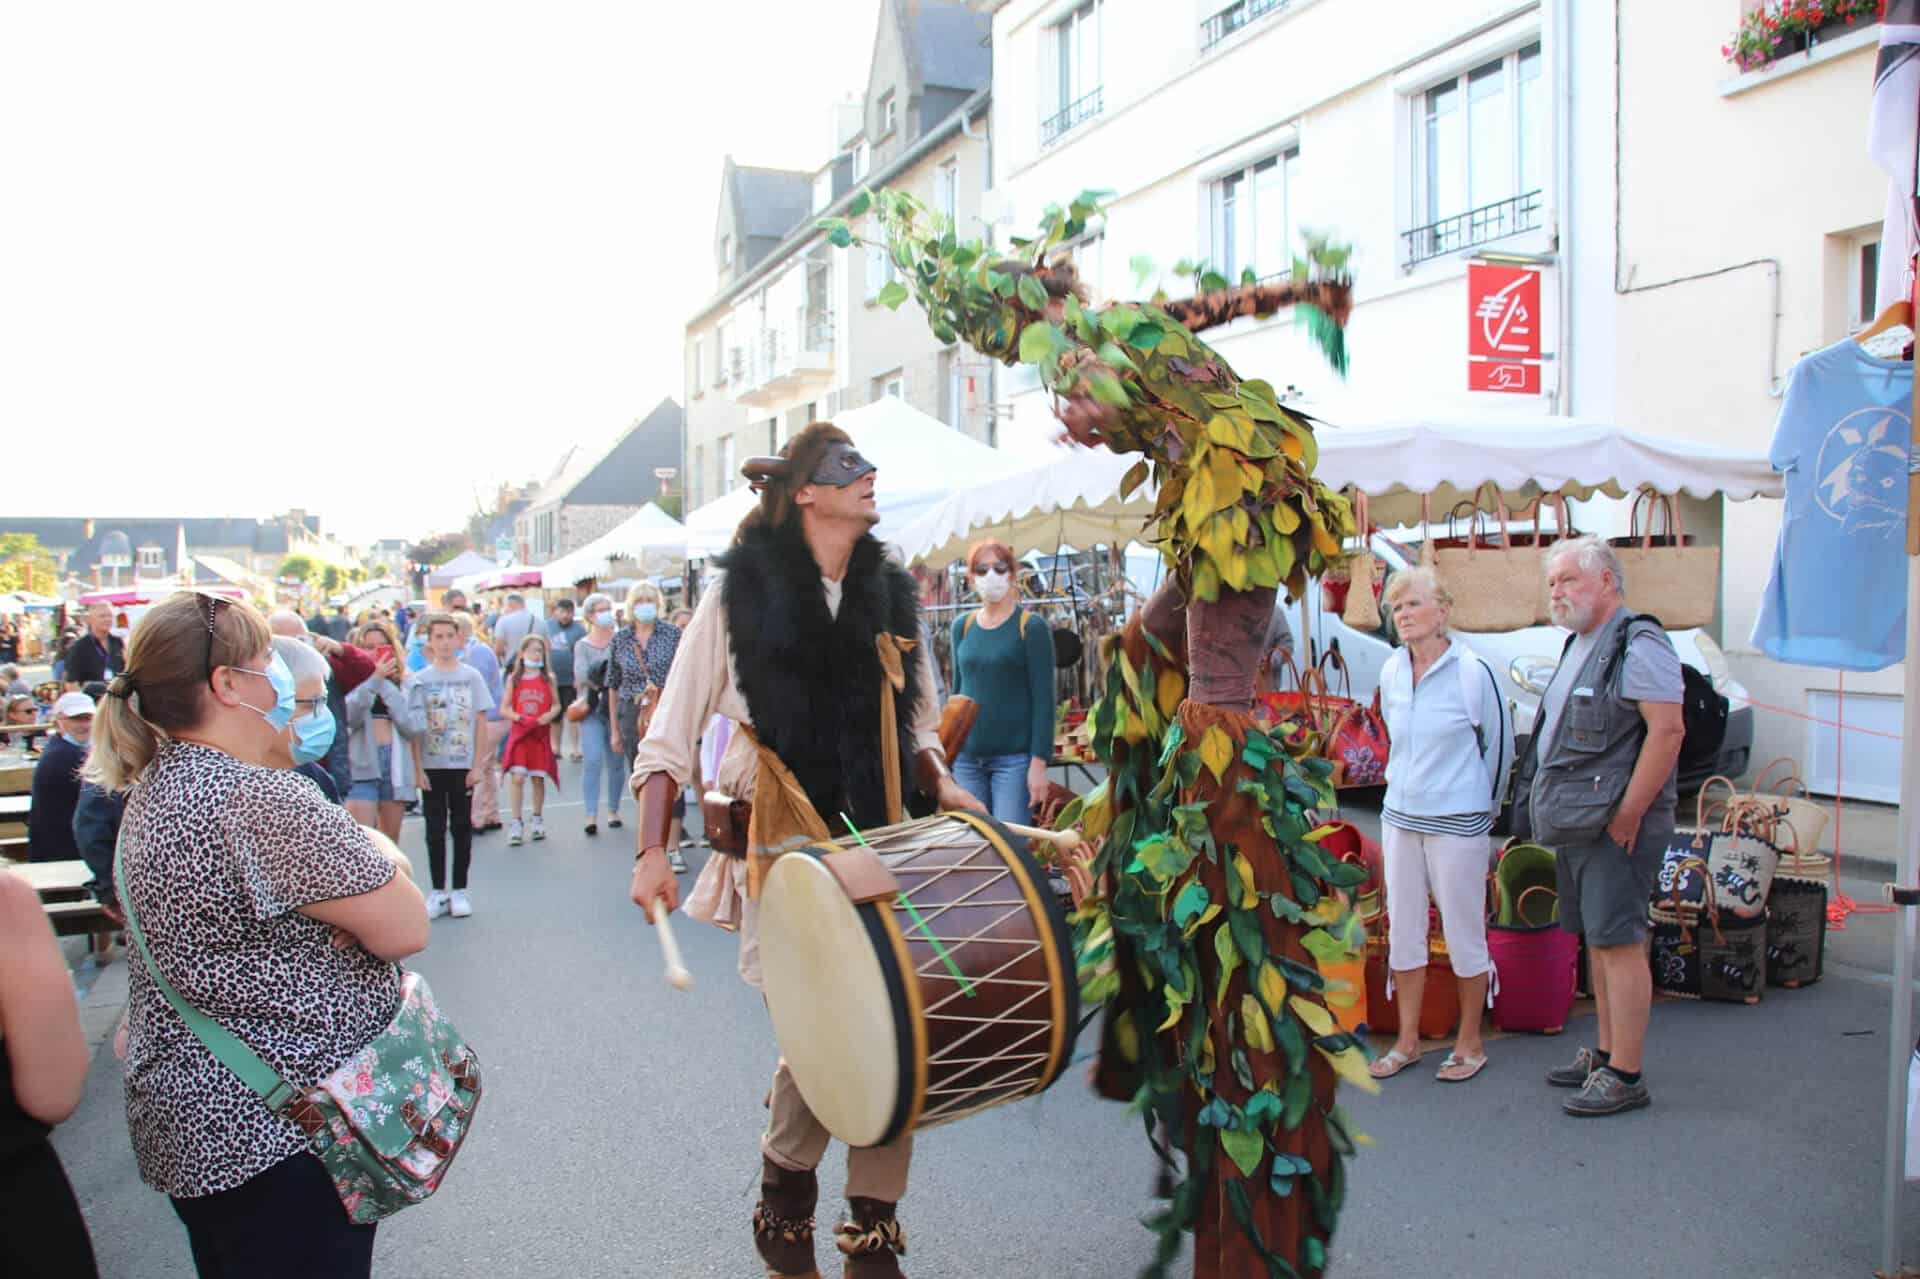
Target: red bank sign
1503 329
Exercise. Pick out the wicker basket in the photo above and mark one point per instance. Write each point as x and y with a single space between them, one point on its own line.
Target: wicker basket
1439 1004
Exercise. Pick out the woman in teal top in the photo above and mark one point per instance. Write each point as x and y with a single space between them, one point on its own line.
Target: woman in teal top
1003 659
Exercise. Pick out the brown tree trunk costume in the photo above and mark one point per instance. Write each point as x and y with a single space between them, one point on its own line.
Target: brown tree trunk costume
1218 898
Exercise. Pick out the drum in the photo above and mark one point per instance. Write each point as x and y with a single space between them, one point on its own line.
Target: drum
907 1000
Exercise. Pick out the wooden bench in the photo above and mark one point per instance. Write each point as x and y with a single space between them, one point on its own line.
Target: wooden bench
75 918
63 893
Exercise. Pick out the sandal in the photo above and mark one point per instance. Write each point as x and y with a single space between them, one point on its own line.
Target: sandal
1465 1068
1392 1063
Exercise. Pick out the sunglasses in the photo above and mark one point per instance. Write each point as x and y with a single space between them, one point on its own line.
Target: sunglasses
213 603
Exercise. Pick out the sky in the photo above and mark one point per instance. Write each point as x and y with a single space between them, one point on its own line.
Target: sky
369 259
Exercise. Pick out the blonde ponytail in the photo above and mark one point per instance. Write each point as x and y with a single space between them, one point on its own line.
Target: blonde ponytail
170 661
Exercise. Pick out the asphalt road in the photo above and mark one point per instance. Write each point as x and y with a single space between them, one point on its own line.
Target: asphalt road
618 1135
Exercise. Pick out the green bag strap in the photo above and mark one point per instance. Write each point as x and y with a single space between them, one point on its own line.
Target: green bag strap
221 1042
966 624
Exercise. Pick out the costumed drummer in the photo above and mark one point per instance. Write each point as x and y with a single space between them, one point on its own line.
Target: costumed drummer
809 643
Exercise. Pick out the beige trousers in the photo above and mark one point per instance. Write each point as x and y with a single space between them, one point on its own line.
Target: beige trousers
796 1141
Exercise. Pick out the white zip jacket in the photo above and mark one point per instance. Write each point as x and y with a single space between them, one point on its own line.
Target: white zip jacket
1451 740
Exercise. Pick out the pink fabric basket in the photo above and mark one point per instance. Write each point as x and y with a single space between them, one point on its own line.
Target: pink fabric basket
1534 968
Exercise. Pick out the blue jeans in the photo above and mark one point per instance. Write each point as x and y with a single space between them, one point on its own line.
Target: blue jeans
600 759
999 782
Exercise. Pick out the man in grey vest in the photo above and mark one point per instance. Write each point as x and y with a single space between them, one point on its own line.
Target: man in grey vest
1605 760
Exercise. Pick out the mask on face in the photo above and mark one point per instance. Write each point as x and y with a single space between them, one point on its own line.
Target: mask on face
536 663
81 742
603 618
646 612
993 585
281 679
313 736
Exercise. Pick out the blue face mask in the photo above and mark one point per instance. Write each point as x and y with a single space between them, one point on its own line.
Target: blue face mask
313 736
646 612
603 618
281 680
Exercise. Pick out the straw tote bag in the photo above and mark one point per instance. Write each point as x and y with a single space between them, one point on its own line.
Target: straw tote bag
1543 543
1493 586
1361 608
1668 576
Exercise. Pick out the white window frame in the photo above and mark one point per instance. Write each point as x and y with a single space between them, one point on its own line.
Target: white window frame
1222 257
1425 211
946 190
726 251
889 113
1863 278
150 557
881 271
1068 78
894 384
862 159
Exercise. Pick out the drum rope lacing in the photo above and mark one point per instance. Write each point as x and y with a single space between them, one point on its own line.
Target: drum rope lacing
966 987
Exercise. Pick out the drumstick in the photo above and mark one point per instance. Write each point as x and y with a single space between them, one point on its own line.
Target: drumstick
1063 841
677 975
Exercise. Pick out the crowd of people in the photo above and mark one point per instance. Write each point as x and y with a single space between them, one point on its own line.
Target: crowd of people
292 748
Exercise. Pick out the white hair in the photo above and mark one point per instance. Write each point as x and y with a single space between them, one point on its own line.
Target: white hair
1594 556
302 658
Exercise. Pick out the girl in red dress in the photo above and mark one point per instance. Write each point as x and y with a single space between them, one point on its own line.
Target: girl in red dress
531 703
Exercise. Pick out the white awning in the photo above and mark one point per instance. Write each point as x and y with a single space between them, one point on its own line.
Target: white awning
1075 500
651 538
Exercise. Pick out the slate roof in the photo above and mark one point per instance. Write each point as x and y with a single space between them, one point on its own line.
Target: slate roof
952 44
771 202
624 476
264 537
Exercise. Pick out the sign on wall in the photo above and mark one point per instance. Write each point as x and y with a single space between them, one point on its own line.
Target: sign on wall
1503 329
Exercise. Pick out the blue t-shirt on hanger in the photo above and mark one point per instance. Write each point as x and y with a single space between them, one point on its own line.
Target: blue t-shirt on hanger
1837 597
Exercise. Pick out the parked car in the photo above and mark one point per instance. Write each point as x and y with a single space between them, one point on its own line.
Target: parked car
1527 659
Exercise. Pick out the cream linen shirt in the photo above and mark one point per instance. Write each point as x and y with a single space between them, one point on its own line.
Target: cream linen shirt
703 684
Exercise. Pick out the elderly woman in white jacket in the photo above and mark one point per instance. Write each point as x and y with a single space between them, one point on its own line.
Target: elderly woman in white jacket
1452 745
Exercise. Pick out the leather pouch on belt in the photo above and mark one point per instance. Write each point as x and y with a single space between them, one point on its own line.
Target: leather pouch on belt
726 820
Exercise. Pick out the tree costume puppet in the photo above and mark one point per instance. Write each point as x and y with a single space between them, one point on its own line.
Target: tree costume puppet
1215 897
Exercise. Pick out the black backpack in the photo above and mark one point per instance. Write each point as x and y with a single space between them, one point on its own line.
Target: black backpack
1702 709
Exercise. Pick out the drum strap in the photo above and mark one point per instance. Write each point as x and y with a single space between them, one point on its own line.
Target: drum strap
893 651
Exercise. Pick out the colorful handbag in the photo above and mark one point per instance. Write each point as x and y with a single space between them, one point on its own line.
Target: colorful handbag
1353 736
1536 964
387 1122
1295 713
1726 959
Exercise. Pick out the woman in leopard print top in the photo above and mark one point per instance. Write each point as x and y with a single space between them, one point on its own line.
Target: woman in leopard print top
268 909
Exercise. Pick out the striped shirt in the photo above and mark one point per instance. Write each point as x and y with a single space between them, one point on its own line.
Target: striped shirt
1460 825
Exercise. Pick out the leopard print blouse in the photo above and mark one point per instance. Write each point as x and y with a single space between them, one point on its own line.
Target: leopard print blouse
218 855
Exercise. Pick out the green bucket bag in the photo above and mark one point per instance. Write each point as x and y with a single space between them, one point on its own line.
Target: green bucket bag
388 1121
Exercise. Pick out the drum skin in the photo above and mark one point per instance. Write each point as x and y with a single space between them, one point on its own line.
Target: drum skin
881 1038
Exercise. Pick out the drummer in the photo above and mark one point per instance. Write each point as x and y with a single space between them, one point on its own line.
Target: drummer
795 644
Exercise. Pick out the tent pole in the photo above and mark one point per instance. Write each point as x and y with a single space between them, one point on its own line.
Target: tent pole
1900 1049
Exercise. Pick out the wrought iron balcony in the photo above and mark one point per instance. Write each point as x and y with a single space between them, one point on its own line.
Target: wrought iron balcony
1077 113
1242 13
780 363
1476 226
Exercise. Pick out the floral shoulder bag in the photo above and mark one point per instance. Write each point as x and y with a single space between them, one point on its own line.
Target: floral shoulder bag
387 1123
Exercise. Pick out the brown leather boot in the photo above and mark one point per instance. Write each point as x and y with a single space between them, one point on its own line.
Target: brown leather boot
783 1221
871 1241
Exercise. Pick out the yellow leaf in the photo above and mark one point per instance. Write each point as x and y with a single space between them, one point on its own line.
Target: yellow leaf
1244 870
1273 987
1351 1066
1290 445
1217 539
1175 1006
1096 815
1171 691
1197 502
1206 1055
1324 542
1206 581
1127 1038
1134 730
1341 994
1228 481
1235 569
1254 1018
1241 524
1216 752
1318 1019
1223 429
1286 518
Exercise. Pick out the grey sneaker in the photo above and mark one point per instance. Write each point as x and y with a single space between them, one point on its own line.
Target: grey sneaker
675 860
1607 1094
1574 1074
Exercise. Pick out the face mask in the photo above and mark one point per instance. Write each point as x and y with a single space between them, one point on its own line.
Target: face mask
646 612
81 742
536 663
313 736
281 679
992 585
603 618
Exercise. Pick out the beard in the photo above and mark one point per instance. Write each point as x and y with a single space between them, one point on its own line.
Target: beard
1571 616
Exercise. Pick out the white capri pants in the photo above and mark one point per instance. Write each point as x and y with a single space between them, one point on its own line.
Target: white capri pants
1454 869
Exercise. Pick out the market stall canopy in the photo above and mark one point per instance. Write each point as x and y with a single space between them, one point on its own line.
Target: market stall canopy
1075 501
510 577
650 538
920 460
465 564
